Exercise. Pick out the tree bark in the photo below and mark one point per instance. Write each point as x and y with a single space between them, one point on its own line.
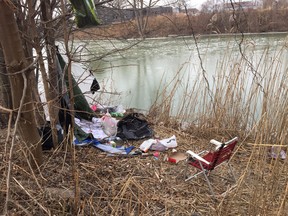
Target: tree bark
24 18
15 62
49 37
5 93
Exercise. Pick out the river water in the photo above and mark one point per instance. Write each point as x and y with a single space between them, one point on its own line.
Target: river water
132 73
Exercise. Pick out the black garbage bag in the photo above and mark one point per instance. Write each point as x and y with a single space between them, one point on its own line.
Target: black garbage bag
46 135
134 126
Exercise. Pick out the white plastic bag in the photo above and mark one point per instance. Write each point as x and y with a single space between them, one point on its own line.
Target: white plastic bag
159 145
169 142
109 125
147 144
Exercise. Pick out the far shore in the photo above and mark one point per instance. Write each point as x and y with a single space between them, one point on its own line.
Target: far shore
198 36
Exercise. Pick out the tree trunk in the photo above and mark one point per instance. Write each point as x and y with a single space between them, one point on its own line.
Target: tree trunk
141 15
24 19
49 36
5 93
15 62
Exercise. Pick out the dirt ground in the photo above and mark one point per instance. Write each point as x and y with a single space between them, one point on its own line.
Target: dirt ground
99 184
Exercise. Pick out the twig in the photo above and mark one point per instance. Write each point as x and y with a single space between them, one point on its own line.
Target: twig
8 131
5 110
31 169
283 201
41 206
12 145
25 69
21 207
269 145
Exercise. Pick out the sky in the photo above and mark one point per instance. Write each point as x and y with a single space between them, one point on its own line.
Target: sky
195 3
190 3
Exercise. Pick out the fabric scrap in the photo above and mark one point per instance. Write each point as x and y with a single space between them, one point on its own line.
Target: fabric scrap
104 147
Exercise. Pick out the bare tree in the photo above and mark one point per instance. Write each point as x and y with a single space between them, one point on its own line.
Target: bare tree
19 75
207 6
141 10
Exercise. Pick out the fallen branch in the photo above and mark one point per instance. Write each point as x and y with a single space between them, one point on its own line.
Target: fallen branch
268 145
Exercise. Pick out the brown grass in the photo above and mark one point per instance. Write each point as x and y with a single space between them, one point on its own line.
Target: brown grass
85 181
104 185
252 21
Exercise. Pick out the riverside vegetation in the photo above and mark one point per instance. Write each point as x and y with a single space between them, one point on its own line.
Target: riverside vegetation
84 181
251 21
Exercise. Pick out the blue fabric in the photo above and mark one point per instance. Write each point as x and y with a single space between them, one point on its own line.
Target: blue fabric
104 147
86 141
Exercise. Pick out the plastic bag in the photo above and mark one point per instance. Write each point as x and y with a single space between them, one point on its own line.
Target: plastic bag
159 145
147 144
134 126
169 142
109 125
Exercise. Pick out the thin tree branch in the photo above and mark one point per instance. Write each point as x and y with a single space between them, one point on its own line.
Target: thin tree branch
25 69
103 2
5 110
8 179
27 192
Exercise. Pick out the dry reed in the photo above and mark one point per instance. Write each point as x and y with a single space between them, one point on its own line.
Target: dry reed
84 181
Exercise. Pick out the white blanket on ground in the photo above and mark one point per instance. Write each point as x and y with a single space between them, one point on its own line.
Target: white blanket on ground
93 127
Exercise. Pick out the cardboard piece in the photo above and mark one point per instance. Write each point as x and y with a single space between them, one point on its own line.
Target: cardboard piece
176 157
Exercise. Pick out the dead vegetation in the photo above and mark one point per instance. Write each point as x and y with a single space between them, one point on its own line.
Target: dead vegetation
86 181
252 21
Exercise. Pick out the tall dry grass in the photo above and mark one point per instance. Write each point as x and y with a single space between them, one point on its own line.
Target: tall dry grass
246 97
82 181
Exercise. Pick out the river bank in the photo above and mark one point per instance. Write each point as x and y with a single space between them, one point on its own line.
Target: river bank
99 184
253 21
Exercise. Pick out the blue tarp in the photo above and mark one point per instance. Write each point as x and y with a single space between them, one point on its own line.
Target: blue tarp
104 147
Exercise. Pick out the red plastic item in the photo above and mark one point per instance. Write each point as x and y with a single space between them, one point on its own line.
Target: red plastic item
172 160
